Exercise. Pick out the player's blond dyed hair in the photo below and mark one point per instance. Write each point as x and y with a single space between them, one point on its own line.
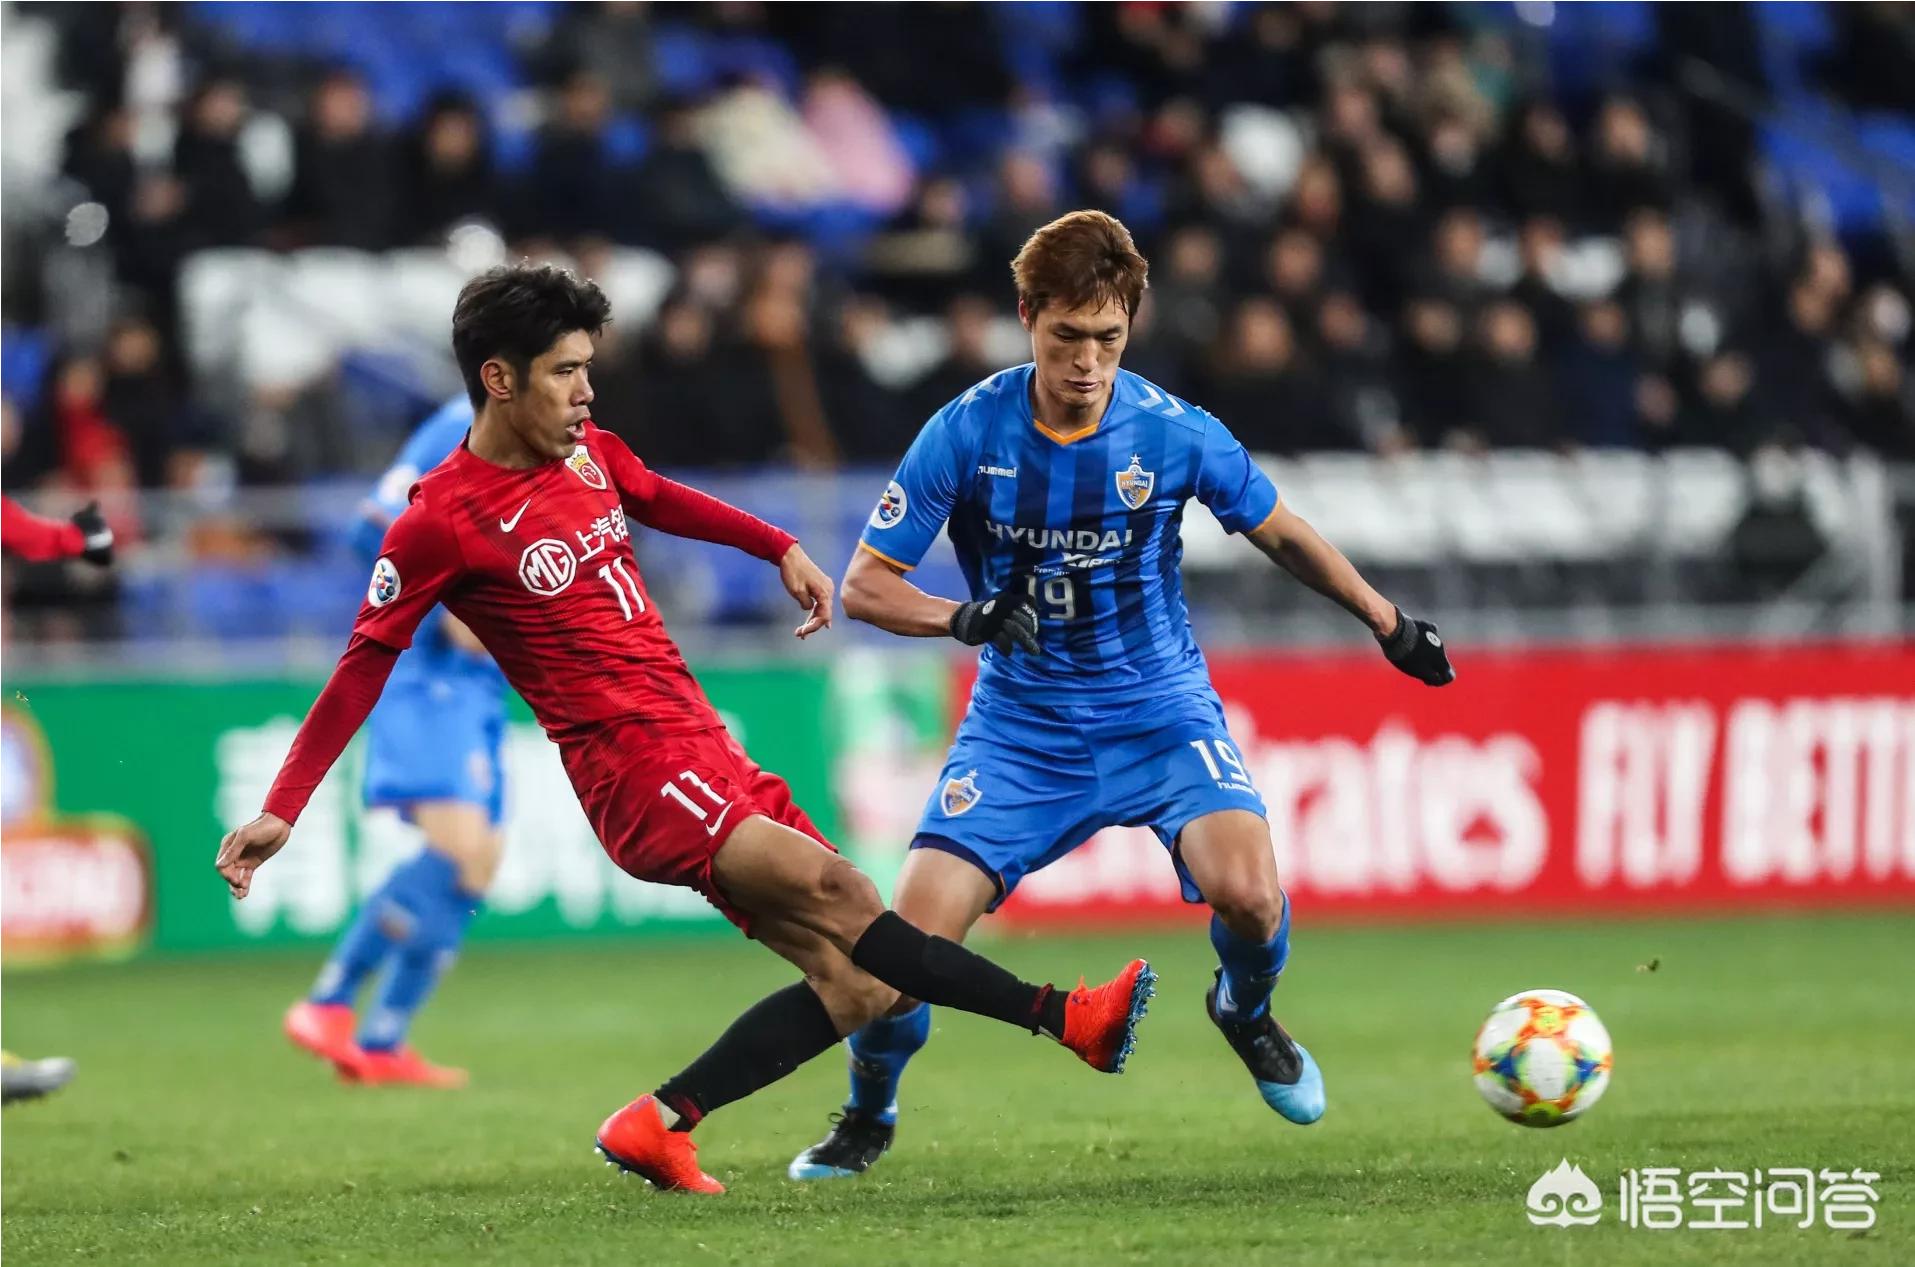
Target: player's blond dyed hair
1081 259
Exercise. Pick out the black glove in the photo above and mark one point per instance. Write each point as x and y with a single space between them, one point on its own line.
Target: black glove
1006 619
99 538
1416 649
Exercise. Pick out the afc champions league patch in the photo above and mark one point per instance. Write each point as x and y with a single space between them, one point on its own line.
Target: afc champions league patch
581 465
961 794
385 583
891 507
1134 483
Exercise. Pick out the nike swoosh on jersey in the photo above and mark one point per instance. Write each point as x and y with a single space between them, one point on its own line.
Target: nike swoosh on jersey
507 525
720 820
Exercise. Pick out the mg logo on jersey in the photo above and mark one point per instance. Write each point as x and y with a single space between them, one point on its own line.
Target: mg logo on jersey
961 794
582 466
890 509
547 566
1134 483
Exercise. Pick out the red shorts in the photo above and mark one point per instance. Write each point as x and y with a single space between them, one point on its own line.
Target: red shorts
662 805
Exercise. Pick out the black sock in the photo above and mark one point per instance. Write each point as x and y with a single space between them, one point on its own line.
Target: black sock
777 1034
945 974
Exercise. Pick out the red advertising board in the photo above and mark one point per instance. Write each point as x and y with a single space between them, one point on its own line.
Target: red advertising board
1552 782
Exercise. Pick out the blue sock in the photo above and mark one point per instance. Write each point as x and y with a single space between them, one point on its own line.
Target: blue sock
435 911
879 1053
383 922
1250 970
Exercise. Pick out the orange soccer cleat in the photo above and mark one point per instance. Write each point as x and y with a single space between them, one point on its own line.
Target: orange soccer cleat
635 1140
400 1067
324 1029
1100 1023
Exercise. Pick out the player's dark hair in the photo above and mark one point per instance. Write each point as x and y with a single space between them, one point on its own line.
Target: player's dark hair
1085 258
516 312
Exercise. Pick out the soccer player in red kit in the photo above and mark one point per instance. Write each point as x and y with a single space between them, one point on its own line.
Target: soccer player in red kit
523 534
38 539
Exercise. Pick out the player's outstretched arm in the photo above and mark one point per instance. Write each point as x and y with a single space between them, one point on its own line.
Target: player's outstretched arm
876 592
1411 645
243 849
809 587
38 539
336 716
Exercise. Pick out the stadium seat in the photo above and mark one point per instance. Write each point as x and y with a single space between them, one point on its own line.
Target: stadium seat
24 353
234 604
1701 496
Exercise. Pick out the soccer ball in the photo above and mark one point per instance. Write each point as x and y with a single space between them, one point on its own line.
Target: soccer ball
1542 1058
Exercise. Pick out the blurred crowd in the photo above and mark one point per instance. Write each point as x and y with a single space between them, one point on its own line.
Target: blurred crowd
1371 227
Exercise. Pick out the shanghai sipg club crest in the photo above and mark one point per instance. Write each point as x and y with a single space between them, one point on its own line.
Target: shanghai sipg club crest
961 794
1134 483
582 466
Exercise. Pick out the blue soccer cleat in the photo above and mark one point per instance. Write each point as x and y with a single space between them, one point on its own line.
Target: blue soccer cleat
1287 1076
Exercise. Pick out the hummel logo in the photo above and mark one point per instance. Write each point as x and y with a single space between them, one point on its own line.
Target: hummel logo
507 525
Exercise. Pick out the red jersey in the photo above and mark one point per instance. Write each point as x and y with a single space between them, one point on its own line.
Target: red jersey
35 538
538 563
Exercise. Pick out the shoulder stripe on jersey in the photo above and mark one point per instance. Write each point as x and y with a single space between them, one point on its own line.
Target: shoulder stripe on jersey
988 388
1153 398
887 558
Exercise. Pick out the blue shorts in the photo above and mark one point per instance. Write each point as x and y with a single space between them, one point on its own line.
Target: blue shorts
1024 785
434 738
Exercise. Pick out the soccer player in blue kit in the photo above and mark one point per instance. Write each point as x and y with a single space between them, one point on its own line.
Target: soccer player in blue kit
433 752
1063 484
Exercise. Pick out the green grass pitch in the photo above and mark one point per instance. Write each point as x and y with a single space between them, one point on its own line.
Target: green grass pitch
195 1134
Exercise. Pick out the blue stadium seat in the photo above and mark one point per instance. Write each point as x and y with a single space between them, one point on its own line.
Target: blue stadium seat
1806 167
1891 139
626 141
919 139
448 43
318 598
1791 33
513 149
1592 46
682 59
1034 37
149 606
24 355
233 604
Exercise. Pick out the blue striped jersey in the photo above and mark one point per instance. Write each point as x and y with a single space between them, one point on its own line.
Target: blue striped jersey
1089 522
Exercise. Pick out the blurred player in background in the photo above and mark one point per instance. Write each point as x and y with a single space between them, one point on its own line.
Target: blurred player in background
38 539
433 753
1064 483
523 534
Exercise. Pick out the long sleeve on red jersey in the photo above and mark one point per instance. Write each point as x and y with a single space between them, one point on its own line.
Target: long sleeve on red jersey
35 538
683 511
419 563
335 717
